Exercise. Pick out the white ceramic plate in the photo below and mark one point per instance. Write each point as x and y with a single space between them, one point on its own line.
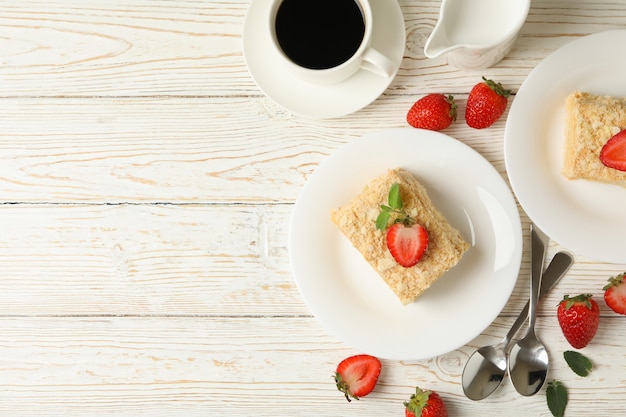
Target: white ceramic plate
321 101
584 216
349 298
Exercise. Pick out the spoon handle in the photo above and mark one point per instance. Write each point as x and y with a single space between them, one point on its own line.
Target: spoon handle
557 267
538 247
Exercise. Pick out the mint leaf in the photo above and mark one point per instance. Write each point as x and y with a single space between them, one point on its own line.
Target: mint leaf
394 197
556 395
382 220
394 208
580 364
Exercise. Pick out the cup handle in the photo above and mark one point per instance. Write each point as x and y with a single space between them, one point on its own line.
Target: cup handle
377 63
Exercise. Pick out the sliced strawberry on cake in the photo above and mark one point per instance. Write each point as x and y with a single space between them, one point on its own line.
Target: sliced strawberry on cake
613 153
407 244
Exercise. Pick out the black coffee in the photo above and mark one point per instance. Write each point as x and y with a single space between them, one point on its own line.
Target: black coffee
319 34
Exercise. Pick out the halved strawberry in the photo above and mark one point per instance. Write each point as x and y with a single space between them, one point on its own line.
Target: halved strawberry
615 293
613 153
407 244
357 375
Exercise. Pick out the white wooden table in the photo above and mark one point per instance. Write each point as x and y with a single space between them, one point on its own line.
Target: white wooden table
146 185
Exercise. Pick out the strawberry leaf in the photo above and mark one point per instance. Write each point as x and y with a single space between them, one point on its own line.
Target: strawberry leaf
497 87
580 364
395 201
395 206
556 395
615 281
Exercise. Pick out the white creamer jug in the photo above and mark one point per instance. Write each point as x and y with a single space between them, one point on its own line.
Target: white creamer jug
476 34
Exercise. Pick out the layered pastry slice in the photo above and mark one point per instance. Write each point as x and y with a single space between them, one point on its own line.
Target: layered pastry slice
358 221
591 120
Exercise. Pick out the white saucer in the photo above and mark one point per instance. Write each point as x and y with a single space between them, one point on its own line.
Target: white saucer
347 295
321 101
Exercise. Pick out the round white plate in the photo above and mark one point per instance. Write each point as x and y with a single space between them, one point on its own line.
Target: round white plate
584 216
321 101
351 300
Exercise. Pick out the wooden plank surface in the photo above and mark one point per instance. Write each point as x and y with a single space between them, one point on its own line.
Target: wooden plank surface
146 186
105 366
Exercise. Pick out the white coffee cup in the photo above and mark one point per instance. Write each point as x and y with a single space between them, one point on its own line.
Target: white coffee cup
322 41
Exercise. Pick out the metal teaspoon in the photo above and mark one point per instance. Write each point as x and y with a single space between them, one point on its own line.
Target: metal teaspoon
528 359
486 368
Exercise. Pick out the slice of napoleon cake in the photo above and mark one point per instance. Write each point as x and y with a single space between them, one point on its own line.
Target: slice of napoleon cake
410 232
591 121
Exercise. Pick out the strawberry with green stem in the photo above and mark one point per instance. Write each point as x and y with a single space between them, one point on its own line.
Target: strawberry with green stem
579 318
485 104
433 112
425 403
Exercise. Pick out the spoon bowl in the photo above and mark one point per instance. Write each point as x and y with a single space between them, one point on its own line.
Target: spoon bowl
484 371
529 365
486 368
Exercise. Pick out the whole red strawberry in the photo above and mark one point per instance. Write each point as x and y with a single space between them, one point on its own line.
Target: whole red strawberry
357 375
432 112
579 318
613 153
485 104
425 404
615 293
